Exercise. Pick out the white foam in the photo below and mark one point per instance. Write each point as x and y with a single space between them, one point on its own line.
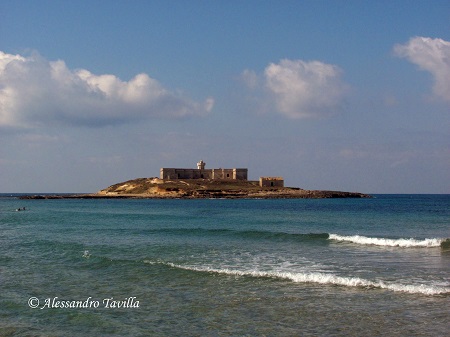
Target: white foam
86 254
364 240
321 278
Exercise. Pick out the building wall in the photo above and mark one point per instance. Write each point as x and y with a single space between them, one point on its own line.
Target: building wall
271 182
179 173
240 173
222 174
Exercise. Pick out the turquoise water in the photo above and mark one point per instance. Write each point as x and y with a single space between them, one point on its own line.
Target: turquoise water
329 267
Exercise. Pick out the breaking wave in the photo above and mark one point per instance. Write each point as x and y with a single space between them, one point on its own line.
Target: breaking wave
300 237
364 240
320 278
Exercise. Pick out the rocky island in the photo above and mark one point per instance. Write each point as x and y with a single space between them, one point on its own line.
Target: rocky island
201 183
209 188
157 188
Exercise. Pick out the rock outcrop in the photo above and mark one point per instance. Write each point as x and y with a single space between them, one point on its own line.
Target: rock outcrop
201 189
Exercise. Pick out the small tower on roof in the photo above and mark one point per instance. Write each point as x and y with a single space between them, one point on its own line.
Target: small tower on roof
201 165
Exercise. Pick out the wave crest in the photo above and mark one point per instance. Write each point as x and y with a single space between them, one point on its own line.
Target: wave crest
319 278
364 240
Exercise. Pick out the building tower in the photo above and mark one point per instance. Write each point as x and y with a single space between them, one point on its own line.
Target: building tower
201 165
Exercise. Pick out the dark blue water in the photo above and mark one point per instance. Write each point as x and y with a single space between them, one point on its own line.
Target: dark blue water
335 267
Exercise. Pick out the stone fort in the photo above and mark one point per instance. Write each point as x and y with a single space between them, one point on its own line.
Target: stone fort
201 173
224 174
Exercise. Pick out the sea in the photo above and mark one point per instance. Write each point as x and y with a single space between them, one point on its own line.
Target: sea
225 267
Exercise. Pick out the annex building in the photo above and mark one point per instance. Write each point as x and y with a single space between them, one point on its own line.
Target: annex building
201 173
271 181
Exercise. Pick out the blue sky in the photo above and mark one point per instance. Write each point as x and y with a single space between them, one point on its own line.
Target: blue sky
342 95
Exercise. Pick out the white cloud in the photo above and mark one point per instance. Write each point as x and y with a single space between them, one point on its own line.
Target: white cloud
35 91
300 89
432 55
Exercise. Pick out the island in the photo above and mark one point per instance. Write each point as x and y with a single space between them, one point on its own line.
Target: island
155 188
201 183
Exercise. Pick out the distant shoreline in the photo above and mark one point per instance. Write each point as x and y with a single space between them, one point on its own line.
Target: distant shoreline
155 188
313 195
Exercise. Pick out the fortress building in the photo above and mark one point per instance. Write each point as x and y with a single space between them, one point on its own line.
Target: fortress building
201 173
271 181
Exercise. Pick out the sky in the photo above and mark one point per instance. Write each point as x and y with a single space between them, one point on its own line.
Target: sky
337 95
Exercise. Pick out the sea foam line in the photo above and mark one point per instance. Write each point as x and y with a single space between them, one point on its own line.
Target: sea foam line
364 240
320 278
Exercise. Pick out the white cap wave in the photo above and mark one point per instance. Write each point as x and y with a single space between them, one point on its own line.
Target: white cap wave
320 278
411 242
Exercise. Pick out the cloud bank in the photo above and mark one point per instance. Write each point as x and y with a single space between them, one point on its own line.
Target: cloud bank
299 89
432 55
35 91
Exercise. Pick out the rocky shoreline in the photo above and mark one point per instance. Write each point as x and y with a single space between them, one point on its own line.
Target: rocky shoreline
155 188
